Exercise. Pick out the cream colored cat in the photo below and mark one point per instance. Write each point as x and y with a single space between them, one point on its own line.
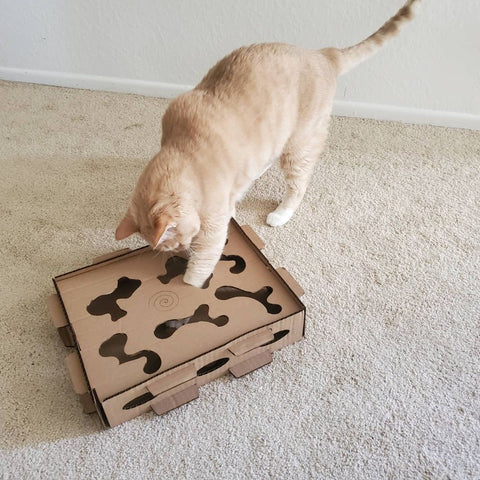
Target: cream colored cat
259 103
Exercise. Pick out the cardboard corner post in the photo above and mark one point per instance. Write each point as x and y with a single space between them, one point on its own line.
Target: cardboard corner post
144 340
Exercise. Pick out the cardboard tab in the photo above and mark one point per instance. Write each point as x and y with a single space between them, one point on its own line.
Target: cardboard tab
251 364
256 240
87 403
75 371
164 383
55 310
243 346
291 282
176 399
66 335
109 256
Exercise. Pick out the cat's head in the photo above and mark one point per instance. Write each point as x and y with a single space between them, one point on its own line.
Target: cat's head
164 217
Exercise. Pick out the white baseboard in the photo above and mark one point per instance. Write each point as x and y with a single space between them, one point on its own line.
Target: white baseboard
94 82
406 115
170 90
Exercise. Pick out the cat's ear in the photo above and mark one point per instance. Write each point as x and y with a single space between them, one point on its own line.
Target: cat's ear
126 228
162 224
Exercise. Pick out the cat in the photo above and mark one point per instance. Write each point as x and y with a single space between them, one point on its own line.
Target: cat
260 103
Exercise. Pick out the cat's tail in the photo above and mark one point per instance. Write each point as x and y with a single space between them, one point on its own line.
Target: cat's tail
349 57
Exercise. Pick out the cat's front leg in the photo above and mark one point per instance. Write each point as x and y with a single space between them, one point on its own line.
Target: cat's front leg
207 248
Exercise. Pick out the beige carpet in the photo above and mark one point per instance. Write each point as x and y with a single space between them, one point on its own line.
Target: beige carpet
386 244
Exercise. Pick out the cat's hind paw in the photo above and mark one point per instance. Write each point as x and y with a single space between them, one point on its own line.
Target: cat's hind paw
279 217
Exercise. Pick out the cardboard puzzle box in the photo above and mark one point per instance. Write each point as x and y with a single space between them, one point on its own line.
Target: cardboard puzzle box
144 340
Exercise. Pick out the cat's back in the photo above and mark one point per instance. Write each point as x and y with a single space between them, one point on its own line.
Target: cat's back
255 65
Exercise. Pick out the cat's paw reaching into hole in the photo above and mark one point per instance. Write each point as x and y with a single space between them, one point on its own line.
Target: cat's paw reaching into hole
279 217
196 280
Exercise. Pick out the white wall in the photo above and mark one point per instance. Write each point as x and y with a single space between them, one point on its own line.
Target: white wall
429 74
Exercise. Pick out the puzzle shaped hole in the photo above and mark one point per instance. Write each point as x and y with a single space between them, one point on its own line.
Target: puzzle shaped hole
108 303
227 292
210 367
115 347
176 266
168 328
239 263
277 336
140 400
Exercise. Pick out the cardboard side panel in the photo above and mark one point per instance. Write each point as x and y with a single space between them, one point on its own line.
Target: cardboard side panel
251 364
256 240
291 282
288 331
137 400
127 405
141 398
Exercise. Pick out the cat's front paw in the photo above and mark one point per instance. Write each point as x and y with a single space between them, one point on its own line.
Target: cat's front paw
194 279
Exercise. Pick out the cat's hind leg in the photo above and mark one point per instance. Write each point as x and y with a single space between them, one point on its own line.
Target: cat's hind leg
297 162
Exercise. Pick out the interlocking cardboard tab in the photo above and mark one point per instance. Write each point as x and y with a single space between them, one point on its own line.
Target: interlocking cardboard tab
257 340
66 336
251 364
146 340
180 397
291 282
110 255
87 403
254 238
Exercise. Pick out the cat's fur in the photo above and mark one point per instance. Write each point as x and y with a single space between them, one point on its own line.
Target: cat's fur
259 103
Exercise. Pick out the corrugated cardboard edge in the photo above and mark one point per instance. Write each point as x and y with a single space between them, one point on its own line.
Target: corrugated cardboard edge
291 282
251 364
110 255
59 320
254 238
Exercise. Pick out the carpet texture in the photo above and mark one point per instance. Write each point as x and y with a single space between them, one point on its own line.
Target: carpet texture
386 245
